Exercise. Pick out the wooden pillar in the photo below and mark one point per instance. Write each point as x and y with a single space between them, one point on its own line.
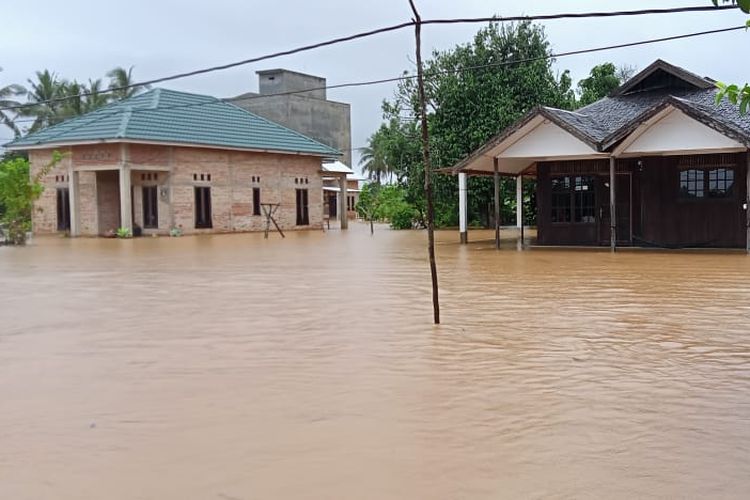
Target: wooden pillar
343 208
73 200
126 209
612 207
747 202
497 203
519 206
462 209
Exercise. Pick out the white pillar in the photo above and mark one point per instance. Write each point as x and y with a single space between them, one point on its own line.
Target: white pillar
519 201
75 217
462 209
342 204
126 209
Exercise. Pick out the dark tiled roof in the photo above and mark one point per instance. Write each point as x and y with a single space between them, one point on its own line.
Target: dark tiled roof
604 123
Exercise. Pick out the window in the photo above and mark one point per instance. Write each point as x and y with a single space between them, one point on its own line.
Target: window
720 182
256 201
150 207
203 207
303 218
63 209
691 183
585 200
560 199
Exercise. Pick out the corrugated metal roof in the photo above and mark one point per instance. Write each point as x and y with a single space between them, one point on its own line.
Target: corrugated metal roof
162 115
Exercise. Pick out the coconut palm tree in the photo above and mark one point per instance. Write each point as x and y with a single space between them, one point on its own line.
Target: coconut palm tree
44 96
95 98
373 162
7 93
121 83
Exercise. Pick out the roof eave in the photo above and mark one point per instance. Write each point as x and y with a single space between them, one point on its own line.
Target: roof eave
54 145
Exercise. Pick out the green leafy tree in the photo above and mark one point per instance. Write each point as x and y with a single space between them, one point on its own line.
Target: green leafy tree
734 93
120 77
602 80
8 93
474 91
18 192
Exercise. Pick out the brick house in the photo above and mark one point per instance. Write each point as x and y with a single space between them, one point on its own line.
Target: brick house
166 159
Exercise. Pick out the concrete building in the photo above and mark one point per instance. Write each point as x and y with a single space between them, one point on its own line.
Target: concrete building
335 176
299 101
166 160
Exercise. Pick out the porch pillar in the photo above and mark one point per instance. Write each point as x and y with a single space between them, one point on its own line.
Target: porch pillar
343 203
462 216
126 209
519 207
612 207
75 212
497 203
519 201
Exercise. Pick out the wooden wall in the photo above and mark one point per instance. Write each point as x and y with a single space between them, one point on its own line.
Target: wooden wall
655 211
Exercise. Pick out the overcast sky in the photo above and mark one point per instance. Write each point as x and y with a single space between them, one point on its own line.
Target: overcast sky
80 41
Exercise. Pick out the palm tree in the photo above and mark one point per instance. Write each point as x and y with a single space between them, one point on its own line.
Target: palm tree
373 162
44 98
95 98
6 100
121 83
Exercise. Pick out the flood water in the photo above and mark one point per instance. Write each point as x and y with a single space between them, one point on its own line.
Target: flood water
229 367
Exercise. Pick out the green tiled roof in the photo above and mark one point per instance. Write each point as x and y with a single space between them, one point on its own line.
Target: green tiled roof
162 115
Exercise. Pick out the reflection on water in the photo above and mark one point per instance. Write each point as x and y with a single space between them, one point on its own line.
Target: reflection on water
230 367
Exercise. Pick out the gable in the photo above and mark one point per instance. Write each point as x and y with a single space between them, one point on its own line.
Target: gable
662 75
546 140
674 131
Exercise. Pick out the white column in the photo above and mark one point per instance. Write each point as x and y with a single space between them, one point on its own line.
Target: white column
519 201
126 210
342 204
75 216
462 209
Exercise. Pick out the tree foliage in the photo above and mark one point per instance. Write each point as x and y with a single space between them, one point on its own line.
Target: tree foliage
473 92
53 99
18 192
8 95
602 80
734 93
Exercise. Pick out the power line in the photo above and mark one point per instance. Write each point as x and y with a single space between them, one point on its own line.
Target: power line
364 34
444 72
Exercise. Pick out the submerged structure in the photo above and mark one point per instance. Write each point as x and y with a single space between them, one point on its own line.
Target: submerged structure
167 160
656 163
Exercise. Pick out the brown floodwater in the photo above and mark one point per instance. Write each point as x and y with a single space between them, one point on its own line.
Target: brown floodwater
230 367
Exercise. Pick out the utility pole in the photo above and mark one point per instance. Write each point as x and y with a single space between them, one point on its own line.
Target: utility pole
427 165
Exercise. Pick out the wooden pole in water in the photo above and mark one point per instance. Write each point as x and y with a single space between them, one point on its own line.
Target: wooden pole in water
496 175
427 166
612 208
519 203
462 215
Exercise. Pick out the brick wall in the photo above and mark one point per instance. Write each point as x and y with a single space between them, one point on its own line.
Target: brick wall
231 175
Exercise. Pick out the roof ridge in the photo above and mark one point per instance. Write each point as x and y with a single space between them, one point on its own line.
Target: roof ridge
122 130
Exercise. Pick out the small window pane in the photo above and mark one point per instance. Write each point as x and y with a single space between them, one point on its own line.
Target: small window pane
720 182
692 183
585 200
561 199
